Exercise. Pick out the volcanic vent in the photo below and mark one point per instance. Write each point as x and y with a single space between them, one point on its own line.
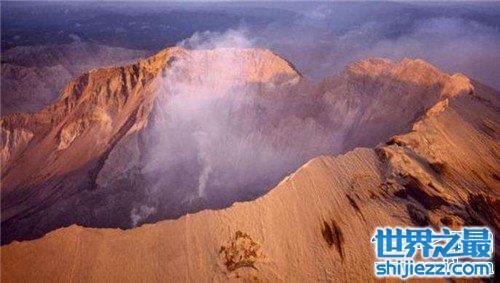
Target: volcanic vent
186 130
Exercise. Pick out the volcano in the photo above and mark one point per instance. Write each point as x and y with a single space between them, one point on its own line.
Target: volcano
227 163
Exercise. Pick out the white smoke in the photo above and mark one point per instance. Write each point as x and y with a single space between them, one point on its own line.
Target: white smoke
225 70
206 163
233 38
220 138
138 215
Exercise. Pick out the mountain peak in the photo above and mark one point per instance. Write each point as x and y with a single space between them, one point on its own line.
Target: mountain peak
410 72
404 67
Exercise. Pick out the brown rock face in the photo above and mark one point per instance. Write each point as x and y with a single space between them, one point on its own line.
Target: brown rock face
187 130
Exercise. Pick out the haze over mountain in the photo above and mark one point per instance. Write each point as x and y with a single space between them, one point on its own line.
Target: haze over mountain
185 130
33 76
321 38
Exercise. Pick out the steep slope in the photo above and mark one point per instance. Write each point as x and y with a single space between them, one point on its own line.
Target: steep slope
316 224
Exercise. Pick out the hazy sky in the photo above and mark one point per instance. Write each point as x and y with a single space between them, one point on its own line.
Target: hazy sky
319 38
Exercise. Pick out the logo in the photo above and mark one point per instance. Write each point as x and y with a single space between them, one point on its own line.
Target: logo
423 252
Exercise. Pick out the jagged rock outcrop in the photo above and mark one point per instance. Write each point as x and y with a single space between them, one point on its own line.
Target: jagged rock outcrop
104 154
13 142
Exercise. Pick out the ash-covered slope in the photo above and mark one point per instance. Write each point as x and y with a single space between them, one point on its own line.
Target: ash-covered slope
315 225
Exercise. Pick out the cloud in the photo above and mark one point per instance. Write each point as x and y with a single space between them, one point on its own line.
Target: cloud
323 41
233 38
455 45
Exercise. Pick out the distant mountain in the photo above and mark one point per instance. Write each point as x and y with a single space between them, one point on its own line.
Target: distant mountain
186 130
33 76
